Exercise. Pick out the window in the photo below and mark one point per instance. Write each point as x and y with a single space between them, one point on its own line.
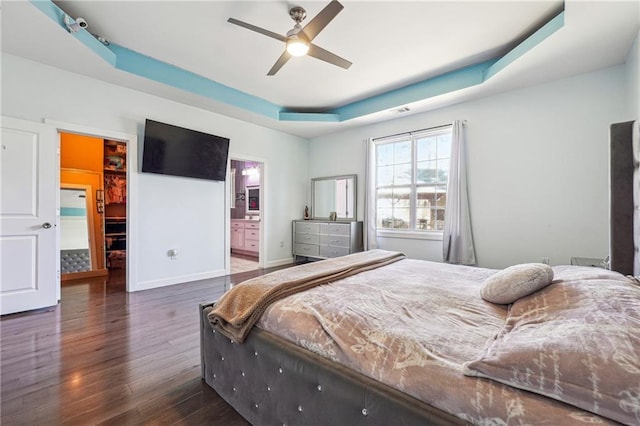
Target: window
411 180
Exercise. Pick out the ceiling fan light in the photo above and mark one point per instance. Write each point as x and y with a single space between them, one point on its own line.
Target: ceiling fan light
296 46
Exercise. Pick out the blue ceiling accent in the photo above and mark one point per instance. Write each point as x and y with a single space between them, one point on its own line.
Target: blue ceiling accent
445 83
162 72
326 117
144 66
57 15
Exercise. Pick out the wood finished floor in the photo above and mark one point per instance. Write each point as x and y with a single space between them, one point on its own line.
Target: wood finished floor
104 356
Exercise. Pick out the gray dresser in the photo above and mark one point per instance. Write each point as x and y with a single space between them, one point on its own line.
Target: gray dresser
324 239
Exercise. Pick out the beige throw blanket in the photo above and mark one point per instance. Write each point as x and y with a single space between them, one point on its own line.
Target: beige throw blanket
240 307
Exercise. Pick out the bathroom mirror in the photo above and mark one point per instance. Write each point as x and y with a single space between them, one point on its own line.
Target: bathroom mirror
334 194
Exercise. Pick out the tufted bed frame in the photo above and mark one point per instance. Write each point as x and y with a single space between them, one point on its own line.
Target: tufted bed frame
272 381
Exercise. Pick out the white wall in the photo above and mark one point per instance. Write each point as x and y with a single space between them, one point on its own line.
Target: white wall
182 213
537 168
633 77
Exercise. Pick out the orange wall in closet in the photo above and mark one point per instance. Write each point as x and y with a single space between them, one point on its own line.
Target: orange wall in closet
82 162
81 152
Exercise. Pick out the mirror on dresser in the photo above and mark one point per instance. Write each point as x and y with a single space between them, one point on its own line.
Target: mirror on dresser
334 194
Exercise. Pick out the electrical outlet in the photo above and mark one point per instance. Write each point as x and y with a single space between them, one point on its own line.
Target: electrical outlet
545 260
281 243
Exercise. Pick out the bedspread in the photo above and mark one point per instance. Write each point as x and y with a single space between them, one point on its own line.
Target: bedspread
412 325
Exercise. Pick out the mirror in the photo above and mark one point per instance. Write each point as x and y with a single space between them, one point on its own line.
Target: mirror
334 194
74 231
77 253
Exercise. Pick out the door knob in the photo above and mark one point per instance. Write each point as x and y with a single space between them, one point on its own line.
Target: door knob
46 225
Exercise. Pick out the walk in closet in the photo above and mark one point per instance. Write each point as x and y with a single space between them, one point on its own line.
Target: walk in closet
115 203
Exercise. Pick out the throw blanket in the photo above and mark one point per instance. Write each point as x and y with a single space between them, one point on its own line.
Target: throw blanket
240 307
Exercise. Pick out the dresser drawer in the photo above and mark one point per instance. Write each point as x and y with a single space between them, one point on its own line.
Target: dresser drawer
326 251
307 227
307 238
251 245
236 225
334 240
307 249
252 225
335 228
252 234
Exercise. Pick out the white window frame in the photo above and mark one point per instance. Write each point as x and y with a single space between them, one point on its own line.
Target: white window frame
412 232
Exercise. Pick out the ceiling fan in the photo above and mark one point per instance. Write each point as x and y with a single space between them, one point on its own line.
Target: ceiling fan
298 39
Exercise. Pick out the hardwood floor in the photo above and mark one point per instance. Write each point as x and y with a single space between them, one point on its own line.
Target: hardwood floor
104 356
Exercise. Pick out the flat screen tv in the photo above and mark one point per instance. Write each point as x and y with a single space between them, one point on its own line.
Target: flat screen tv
176 151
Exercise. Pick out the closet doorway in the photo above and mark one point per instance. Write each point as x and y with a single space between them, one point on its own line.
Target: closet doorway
246 200
93 182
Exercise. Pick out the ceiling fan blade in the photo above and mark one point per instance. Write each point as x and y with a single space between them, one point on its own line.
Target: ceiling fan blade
258 29
324 55
317 24
279 63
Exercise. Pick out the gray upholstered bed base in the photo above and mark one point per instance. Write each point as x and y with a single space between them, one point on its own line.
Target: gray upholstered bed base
271 381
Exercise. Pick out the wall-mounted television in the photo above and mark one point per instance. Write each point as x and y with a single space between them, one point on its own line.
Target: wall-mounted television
176 151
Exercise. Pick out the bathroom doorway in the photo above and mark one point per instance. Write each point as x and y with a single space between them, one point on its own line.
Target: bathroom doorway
246 200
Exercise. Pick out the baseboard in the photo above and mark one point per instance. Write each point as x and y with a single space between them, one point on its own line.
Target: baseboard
84 275
281 262
147 285
245 253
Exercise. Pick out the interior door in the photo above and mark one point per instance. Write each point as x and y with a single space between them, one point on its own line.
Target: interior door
28 215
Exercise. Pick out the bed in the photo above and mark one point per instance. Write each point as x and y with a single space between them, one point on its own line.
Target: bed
375 338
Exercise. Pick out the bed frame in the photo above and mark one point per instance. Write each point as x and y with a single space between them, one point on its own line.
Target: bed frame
269 380
621 240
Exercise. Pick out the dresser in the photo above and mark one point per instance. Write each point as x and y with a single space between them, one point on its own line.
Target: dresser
245 236
325 239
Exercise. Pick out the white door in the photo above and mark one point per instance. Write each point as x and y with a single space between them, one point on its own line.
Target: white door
29 276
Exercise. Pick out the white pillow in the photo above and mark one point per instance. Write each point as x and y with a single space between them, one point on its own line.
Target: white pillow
516 281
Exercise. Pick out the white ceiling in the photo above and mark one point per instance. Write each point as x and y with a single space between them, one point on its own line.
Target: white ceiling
391 44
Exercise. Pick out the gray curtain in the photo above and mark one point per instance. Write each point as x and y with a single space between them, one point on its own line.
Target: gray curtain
457 238
636 197
370 237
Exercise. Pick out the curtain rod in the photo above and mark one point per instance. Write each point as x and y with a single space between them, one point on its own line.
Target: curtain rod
417 131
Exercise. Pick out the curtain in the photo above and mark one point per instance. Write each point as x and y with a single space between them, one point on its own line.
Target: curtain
370 238
636 197
457 238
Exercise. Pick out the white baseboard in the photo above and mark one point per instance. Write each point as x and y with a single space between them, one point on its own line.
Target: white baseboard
285 261
147 285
